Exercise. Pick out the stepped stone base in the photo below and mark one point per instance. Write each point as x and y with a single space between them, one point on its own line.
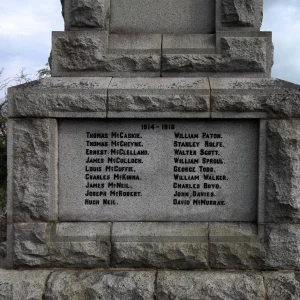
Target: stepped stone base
179 245
148 285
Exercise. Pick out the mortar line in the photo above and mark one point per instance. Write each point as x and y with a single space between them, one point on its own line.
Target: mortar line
264 284
161 55
208 247
155 285
46 282
54 159
210 101
107 96
110 240
10 172
109 17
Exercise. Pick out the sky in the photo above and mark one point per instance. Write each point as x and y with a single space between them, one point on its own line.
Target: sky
282 17
26 26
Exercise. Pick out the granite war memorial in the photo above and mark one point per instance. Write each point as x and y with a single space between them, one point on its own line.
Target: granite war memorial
160 160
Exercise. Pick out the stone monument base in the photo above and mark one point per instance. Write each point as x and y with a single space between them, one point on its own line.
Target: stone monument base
257 259
159 162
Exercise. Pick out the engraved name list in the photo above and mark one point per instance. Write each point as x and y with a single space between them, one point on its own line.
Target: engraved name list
158 170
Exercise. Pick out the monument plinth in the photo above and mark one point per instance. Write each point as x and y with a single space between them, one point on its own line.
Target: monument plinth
160 143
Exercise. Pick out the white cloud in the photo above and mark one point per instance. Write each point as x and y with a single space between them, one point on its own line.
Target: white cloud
27 24
25 34
29 18
282 17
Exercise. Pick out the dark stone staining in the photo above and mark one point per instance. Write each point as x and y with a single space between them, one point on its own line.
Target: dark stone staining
31 186
282 174
238 54
245 13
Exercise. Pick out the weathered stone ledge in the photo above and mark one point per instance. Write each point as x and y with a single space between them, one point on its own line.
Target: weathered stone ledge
275 97
176 245
98 53
85 97
147 284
